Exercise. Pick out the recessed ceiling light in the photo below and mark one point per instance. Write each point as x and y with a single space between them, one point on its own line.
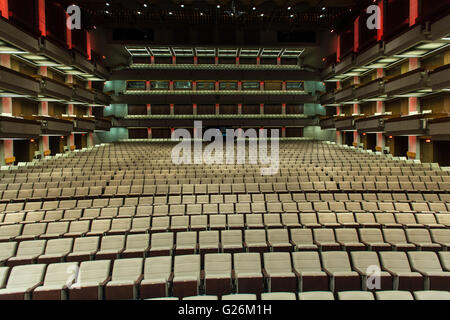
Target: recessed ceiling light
145 5
254 8
139 12
170 12
323 8
430 46
291 15
262 14
289 8
107 4
106 11
201 13
182 5
218 6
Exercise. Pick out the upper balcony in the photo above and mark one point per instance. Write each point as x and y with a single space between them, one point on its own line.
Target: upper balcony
15 82
407 83
19 128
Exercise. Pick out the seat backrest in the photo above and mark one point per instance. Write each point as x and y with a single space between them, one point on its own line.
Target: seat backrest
247 262
427 261
418 235
112 242
86 244
138 241
26 276
324 235
395 261
187 265
157 267
306 261
162 239
59 273
218 263
301 236
336 261
187 238
59 246
278 235
31 248
231 237
364 259
395 236
277 262
127 269
255 236
209 237
346 235
94 271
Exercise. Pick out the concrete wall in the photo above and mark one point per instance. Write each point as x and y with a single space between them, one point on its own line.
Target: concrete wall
315 132
115 134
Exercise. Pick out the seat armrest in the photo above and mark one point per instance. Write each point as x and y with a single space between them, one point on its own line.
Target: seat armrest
202 274
138 281
35 286
266 275
108 279
170 279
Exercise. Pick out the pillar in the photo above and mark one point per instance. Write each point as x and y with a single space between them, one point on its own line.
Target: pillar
261 108
7 146
70 112
240 108
413 106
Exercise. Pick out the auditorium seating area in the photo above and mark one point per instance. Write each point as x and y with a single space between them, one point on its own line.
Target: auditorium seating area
121 221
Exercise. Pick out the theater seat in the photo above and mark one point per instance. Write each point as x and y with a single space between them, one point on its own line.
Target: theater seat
428 264
157 275
93 276
186 279
278 272
397 264
217 273
57 278
337 266
393 295
278 296
22 281
367 264
247 273
316 295
355 295
308 270
125 280
432 295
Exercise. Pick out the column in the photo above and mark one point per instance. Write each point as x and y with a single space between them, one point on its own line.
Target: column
283 109
43 111
194 109
413 106
240 108
172 107
149 109
7 146
217 109
356 111
149 133
381 143
90 137
261 108
70 112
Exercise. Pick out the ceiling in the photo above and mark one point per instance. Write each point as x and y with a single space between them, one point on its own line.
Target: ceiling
311 13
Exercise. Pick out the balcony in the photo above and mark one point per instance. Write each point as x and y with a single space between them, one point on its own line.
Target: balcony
102 99
55 52
327 123
440 78
102 125
405 41
83 94
345 123
407 83
54 127
345 65
439 128
81 125
406 125
19 128
18 83
12 34
371 124
369 90
370 55
56 89
327 98
346 94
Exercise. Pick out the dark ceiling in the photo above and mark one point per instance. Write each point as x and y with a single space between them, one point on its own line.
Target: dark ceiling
318 14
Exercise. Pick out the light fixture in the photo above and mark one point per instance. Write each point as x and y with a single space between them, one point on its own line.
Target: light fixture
262 14
182 5
201 13
139 12
412 54
170 12
254 8
323 8
428 140
291 16
106 11
107 4
218 6
145 5
431 46
289 8
33 57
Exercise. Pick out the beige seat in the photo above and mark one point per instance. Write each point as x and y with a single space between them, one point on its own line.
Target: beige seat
366 220
186 243
393 295
325 239
308 270
373 239
255 240
397 264
337 265
432 295
367 264
137 246
119 226
387 220
77 229
441 237
4 272
7 250
208 241
125 280
316 295
247 273
140 225
56 250
254 221
427 263
22 281
186 277
199 223
10 232
161 244
99 227
111 247
217 273
231 241
278 296
428 220
302 239
57 279
309 220
278 272
355 295
348 239
397 239
160 224
278 240
422 239
32 231
84 249
217 222
92 277
157 274
239 296
290 220
205 297
27 252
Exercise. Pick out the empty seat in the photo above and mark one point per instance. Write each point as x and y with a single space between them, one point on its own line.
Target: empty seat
56 250
441 237
247 272
278 296
4 272
186 278
27 252
397 238
208 242
217 273
231 241
397 264
92 277
137 246
255 240
393 295
309 220
428 264
186 243
367 264
241 296
32 231
7 250
56 280
325 239
387 220
278 272
355 295
337 266
84 249
422 239
302 239
348 239
432 295
278 240
161 244
140 225
307 268
373 239
316 295
21 282
157 272
125 279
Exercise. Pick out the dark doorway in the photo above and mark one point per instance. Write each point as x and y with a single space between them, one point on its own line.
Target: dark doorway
348 136
371 141
78 141
400 146
22 150
56 145
441 153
